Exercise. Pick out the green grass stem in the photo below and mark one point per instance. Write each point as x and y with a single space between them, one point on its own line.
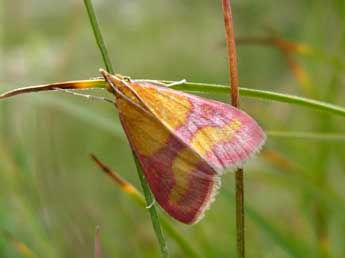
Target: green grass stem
148 195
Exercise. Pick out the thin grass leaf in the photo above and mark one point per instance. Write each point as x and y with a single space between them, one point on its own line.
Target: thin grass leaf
301 76
262 94
296 48
277 159
259 94
20 246
288 48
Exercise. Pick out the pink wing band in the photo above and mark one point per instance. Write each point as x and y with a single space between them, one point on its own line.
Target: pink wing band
227 154
194 198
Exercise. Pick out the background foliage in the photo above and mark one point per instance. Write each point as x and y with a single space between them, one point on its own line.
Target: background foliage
53 196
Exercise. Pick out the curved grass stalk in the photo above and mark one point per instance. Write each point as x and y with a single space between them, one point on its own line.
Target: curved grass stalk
251 93
266 95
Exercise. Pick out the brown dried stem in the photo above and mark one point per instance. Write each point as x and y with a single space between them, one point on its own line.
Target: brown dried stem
97 243
231 47
233 72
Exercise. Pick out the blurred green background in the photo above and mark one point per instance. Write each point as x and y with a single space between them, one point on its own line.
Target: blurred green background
53 196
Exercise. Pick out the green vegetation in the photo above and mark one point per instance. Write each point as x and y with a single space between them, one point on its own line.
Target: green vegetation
53 196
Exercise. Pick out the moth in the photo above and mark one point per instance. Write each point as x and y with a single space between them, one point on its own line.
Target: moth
184 143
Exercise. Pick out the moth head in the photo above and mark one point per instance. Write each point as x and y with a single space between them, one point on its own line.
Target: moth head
115 83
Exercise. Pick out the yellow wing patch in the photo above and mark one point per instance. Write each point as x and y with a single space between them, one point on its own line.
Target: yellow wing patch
180 165
136 119
164 106
206 137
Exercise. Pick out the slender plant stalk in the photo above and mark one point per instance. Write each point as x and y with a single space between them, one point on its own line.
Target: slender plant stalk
148 195
231 47
98 36
154 216
233 73
97 253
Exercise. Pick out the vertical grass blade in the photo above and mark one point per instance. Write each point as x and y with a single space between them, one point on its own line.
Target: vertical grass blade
98 35
148 195
153 213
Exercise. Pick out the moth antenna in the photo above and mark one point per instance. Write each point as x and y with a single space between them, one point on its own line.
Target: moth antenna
133 91
125 82
113 87
106 77
90 97
160 83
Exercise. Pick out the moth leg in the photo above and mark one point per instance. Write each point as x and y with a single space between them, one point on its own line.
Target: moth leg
91 97
151 204
97 78
176 83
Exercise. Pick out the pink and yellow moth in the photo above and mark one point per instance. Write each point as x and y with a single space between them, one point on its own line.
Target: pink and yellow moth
184 143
